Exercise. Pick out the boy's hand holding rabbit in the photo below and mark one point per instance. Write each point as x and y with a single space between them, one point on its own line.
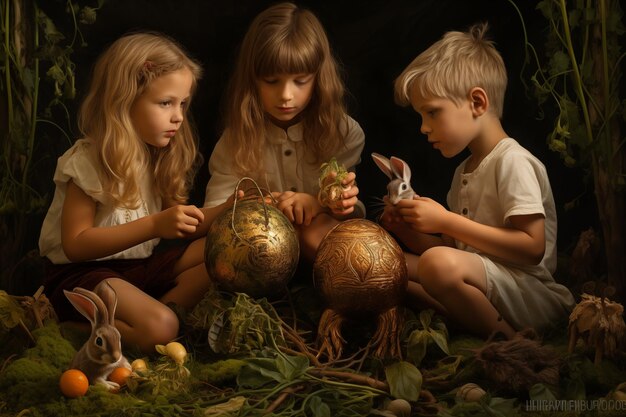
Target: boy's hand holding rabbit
422 214
403 205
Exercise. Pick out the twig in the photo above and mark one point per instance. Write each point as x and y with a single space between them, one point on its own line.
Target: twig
6 362
283 395
311 357
351 377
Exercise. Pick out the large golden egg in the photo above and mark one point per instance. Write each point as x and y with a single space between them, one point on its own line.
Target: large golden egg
360 269
255 251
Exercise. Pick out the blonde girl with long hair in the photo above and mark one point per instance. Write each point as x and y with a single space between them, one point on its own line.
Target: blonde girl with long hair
124 186
284 117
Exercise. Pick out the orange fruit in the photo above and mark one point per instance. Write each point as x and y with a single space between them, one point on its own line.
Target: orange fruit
119 375
73 383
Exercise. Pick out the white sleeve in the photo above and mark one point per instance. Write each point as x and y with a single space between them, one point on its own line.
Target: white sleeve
519 190
223 178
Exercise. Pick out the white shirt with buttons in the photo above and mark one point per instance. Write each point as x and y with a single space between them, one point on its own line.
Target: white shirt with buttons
510 181
287 164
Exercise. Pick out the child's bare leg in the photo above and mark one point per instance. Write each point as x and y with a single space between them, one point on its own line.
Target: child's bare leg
142 320
192 278
311 236
457 280
416 294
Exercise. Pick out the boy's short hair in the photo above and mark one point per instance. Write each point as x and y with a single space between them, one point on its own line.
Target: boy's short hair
452 66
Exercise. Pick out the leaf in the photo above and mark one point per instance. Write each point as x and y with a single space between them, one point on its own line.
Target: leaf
504 407
319 407
545 7
292 367
426 317
251 377
574 18
11 313
440 339
228 408
405 380
445 369
258 372
417 345
541 392
559 63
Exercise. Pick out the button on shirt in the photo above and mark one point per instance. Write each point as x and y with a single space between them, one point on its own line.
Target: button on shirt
287 164
509 181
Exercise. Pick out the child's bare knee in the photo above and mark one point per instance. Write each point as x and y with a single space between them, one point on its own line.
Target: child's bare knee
162 326
437 271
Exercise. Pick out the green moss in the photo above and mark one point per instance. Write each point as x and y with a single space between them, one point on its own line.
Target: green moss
97 401
51 347
28 382
218 372
33 379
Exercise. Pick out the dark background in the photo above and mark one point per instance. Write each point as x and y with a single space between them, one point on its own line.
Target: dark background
373 41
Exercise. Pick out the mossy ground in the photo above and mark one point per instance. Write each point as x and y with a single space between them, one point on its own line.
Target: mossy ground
29 378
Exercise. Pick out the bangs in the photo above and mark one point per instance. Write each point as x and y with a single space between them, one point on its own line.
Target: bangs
292 56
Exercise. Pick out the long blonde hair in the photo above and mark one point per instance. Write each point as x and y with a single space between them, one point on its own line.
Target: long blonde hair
454 65
120 76
284 39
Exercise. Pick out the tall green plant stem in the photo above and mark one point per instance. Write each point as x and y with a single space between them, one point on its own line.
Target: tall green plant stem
33 125
577 77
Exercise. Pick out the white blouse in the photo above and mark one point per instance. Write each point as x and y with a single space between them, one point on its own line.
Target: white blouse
79 164
286 163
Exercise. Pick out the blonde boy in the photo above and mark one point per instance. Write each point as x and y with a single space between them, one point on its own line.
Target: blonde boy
487 263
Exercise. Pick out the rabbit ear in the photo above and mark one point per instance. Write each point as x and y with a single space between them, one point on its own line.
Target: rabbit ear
83 304
384 164
401 169
109 297
101 314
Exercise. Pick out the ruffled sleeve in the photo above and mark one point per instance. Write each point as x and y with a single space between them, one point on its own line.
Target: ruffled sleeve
79 165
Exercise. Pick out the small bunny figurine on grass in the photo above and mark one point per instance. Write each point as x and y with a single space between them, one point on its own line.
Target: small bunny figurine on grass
102 353
398 171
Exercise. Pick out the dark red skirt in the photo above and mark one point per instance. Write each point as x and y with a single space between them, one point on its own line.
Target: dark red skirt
153 275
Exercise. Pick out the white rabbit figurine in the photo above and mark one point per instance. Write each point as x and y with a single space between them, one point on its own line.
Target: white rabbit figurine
102 352
398 171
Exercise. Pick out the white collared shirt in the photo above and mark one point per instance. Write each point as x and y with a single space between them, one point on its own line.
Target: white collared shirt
286 164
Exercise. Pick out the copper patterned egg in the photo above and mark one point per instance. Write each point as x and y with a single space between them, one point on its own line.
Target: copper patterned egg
359 268
255 251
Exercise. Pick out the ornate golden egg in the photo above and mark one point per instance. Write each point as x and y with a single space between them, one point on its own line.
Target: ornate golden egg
254 251
359 268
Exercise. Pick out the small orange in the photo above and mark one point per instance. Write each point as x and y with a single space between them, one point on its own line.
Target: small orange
119 375
73 383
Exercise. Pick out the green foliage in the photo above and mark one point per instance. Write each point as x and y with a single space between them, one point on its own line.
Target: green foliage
405 380
11 314
27 47
280 379
33 378
581 75
428 330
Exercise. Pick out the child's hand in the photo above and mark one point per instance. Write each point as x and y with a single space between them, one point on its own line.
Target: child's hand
300 208
178 221
349 196
423 214
390 219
